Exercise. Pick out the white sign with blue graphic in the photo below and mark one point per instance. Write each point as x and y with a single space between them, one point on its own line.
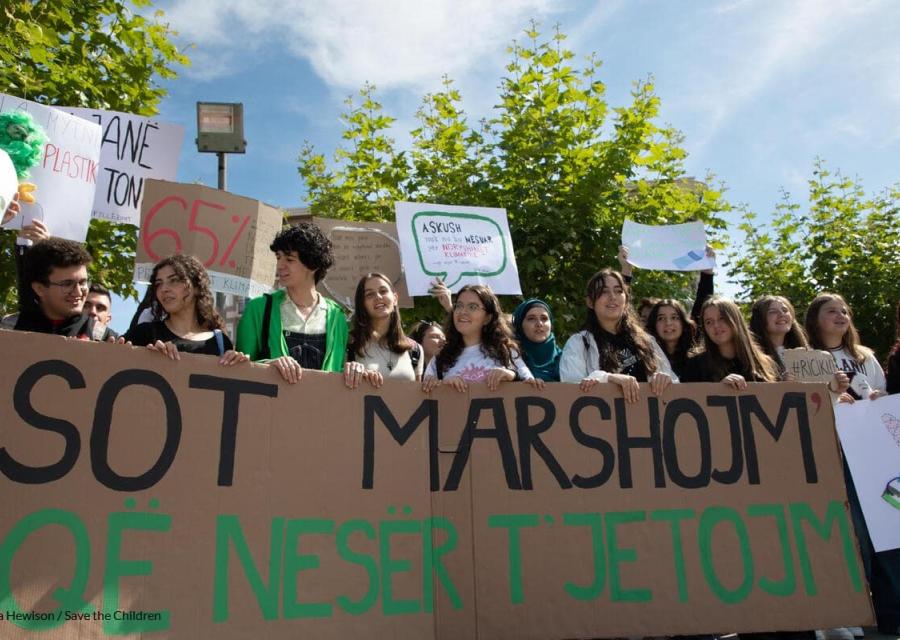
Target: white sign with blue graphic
673 247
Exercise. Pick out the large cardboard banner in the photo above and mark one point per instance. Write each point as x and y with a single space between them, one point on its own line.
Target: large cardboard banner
229 234
66 176
134 148
361 248
461 245
870 435
182 499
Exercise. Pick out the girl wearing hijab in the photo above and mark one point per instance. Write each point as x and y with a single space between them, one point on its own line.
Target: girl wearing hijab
533 325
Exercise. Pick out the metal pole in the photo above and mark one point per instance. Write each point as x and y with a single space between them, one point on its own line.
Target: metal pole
222 171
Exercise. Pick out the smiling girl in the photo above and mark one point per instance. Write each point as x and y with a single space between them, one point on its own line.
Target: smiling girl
479 348
377 348
730 355
184 318
533 325
674 332
829 325
612 346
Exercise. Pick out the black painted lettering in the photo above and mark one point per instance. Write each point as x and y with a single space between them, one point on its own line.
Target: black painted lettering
529 436
375 406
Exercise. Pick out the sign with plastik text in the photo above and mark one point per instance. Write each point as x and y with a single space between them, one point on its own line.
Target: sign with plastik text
870 437
229 234
461 245
67 173
145 497
361 248
134 148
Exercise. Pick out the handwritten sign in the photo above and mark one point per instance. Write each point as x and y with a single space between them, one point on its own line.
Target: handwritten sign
671 247
361 248
461 245
66 176
199 501
809 365
229 234
134 148
870 436
9 182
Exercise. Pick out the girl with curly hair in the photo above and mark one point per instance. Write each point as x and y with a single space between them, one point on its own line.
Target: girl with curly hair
377 348
184 318
674 331
480 346
731 355
612 346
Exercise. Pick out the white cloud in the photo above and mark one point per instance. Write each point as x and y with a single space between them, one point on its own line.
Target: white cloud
391 43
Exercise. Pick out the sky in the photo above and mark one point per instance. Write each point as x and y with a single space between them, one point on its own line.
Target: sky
759 88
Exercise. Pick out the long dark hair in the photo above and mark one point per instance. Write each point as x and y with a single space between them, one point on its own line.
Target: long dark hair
795 337
688 339
896 346
629 326
747 352
850 339
361 323
497 340
190 270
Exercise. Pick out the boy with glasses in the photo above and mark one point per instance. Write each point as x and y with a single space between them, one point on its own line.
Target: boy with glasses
54 288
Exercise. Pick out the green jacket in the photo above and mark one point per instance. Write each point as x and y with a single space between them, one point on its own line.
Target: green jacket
249 331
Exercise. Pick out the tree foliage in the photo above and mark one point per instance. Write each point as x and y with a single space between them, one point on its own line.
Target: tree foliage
566 167
100 54
845 243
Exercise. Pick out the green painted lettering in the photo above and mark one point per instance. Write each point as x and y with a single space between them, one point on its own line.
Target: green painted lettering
674 518
617 555
390 566
708 521
432 563
835 514
295 562
595 522
513 523
788 584
358 607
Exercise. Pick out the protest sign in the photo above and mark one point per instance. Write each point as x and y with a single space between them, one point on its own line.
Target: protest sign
229 234
9 183
190 500
461 245
809 365
672 247
870 437
134 148
361 248
66 176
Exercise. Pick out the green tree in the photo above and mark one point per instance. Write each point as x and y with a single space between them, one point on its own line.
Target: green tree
87 53
845 243
370 173
566 167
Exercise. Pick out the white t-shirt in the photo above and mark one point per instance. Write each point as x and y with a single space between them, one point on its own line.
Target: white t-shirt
397 366
865 377
473 365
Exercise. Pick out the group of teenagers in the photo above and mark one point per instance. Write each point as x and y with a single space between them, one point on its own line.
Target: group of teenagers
296 328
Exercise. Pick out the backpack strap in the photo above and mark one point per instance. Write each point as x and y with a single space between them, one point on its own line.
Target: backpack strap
220 341
267 317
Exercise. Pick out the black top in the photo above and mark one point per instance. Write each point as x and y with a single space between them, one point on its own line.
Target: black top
699 368
625 354
149 332
79 326
893 372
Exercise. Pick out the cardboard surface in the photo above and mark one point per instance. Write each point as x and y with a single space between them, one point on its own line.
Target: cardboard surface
229 234
391 514
361 248
810 365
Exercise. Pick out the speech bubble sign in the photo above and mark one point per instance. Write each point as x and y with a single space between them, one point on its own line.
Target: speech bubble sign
453 245
460 245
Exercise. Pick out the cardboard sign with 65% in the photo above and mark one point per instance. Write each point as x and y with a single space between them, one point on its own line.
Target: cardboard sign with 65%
460 245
